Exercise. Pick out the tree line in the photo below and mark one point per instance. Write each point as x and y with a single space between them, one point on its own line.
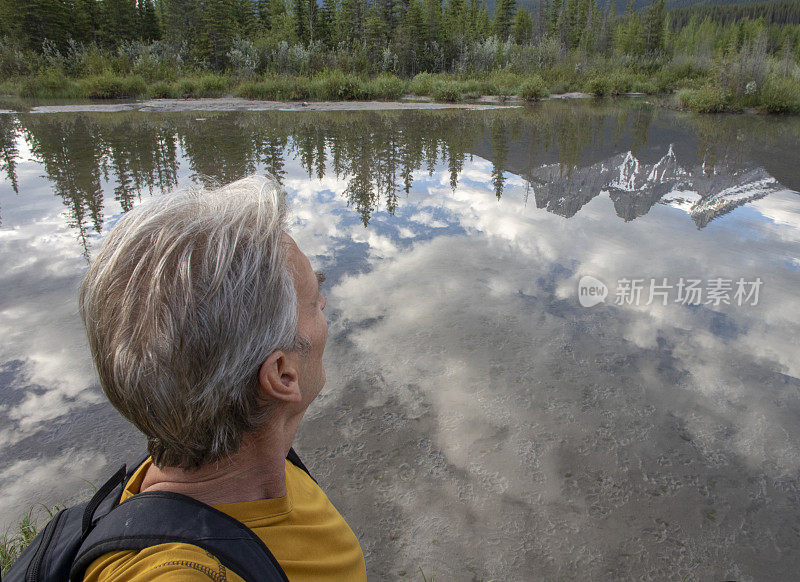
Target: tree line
401 36
784 12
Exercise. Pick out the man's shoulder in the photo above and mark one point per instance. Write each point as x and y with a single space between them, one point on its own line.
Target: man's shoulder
172 561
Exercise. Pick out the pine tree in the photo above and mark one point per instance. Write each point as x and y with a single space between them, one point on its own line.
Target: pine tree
218 28
326 22
522 27
149 29
36 21
433 20
653 29
119 21
300 20
181 20
350 24
483 26
503 17
414 25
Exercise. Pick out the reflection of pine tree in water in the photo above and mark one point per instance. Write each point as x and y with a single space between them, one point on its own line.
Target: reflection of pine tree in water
497 133
9 151
218 148
77 150
640 128
142 154
376 153
71 149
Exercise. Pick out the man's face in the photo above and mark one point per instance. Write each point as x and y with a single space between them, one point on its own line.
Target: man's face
311 324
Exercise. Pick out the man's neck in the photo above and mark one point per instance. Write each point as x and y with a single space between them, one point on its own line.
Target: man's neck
256 471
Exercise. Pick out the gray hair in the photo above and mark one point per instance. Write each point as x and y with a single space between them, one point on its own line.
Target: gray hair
188 296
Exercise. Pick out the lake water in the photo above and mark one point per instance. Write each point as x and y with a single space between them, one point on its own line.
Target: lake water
479 421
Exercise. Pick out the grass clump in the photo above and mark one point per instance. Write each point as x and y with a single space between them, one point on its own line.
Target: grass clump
162 90
503 84
267 90
335 86
384 87
275 89
447 91
706 99
110 86
422 84
203 86
781 96
533 89
50 84
599 86
680 74
12 544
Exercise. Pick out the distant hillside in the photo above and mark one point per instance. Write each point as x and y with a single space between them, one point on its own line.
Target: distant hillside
621 5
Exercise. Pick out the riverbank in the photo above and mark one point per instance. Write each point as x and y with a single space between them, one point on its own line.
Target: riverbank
693 90
239 104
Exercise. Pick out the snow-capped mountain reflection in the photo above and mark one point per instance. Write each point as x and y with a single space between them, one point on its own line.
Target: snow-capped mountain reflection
704 192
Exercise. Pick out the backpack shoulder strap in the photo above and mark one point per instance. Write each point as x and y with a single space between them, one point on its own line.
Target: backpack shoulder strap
153 518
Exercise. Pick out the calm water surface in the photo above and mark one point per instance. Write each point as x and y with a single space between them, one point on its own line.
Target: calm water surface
478 421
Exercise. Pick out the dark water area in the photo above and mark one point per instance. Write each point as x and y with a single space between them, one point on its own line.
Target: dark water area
563 338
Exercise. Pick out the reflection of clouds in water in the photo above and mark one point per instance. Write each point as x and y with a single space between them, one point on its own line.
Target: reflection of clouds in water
38 261
783 217
481 418
599 422
49 375
64 476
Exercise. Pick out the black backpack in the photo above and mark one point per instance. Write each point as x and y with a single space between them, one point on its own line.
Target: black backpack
78 535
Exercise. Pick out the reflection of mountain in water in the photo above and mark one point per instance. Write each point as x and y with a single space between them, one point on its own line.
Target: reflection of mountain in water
634 187
569 152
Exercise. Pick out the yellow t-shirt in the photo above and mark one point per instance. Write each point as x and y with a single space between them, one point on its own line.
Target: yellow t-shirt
303 530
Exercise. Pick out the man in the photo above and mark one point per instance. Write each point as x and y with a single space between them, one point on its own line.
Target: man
206 325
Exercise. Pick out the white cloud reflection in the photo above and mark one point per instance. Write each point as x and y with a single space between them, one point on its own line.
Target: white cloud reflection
539 401
479 422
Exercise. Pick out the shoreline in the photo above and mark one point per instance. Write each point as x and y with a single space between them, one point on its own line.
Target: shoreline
407 102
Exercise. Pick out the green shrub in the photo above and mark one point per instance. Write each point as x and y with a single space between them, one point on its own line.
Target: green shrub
599 86
212 86
679 74
203 86
781 96
533 89
620 83
706 99
558 86
335 86
51 84
186 87
275 89
502 83
643 84
447 91
267 90
162 90
422 84
110 86
384 86
473 87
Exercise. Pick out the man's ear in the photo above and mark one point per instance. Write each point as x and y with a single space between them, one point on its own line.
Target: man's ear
278 378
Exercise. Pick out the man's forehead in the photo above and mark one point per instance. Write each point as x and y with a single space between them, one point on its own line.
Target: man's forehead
298 261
